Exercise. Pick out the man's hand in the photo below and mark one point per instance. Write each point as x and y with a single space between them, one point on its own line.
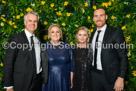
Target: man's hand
11 89
119 84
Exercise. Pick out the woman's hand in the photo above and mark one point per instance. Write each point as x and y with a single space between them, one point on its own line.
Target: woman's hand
71 80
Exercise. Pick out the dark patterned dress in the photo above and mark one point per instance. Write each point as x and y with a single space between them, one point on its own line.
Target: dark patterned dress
82 79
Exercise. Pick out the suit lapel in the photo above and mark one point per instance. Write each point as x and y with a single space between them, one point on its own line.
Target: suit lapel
25 38
107 33
27 42
106 36
92 35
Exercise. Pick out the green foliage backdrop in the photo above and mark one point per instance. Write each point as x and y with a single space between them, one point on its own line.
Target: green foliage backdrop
70 14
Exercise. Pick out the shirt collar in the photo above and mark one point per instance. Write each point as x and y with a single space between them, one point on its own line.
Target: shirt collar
28 34
103 29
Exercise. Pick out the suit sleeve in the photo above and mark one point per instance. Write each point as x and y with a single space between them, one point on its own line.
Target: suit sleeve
9 59
45 66
122 53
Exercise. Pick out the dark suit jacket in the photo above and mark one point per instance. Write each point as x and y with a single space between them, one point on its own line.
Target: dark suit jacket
114 60
18 64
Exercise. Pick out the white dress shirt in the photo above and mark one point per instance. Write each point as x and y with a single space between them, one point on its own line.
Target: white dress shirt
100 40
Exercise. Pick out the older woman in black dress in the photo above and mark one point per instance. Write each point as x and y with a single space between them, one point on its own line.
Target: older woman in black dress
81 80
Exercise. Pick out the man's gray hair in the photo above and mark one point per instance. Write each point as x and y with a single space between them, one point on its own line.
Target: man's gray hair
31 12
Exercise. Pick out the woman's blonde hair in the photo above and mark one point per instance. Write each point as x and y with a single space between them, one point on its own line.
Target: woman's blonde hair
84 29
54 25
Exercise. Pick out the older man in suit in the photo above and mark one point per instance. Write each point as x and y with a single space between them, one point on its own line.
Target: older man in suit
24 66
109 64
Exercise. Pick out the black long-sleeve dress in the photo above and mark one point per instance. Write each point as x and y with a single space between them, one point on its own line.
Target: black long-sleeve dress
82 75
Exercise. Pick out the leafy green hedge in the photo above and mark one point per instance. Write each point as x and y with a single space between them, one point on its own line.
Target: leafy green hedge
70 14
